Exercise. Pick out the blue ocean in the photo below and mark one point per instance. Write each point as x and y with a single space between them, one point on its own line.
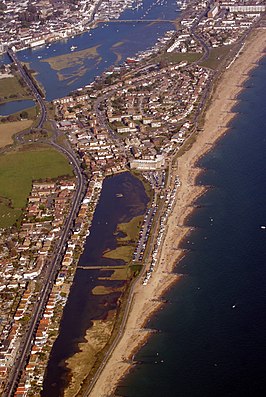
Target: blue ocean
211 338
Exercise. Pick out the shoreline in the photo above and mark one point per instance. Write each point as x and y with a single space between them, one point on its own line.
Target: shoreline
147 299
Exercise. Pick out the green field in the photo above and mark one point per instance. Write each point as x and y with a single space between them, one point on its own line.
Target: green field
17 171
216 57
130 229
7 130
125 252
126 243
176 57
10 89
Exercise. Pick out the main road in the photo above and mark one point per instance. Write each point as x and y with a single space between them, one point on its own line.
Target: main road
54 263
32 86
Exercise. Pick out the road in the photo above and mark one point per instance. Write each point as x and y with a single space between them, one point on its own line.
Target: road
54 264
47 285
206 49
32 86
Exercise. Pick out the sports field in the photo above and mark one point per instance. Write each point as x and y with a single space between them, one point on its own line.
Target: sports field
17 171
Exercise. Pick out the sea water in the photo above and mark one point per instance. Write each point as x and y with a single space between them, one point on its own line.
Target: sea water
211 339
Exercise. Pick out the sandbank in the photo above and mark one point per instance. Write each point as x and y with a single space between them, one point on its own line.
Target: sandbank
61 62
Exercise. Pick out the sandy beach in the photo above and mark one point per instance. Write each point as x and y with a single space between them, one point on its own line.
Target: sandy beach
147 299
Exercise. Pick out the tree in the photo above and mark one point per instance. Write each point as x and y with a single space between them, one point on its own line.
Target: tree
11 118
24 114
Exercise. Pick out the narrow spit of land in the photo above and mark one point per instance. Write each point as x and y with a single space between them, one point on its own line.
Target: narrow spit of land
146 299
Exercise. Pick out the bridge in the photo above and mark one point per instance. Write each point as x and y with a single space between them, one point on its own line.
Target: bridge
100 267
137 21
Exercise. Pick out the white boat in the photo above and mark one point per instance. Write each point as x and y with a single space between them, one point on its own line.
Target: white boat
73 47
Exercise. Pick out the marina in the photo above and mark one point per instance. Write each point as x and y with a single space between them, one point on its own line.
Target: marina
106 37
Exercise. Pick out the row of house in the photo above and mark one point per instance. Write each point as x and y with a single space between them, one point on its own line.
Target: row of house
25 252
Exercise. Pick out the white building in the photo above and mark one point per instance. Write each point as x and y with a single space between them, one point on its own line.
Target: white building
155 163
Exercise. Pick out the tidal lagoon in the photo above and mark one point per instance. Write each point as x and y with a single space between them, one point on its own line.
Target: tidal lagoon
123 197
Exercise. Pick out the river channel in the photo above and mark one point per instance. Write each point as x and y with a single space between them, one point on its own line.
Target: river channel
114 42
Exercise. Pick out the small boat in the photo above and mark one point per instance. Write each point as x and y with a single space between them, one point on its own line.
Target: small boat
73 47
119 195
263 227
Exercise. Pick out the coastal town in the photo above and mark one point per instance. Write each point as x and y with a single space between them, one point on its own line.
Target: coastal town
138 116
30 23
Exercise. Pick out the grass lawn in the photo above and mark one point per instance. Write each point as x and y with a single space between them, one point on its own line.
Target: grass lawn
216 57
7 130
131 229
104 290
120 273
8 215
124 252
32 112
17 171
11 86
175 57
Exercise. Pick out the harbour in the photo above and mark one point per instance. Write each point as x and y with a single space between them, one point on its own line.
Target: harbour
114 41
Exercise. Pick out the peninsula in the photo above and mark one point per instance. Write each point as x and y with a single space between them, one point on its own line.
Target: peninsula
146 299
154 115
